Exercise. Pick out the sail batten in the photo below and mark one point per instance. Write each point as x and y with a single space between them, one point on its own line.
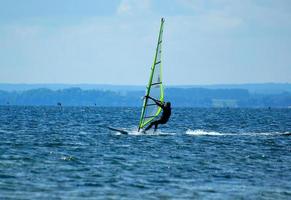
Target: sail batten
156 83
155 87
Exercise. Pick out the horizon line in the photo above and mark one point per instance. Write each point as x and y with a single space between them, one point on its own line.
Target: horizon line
138 85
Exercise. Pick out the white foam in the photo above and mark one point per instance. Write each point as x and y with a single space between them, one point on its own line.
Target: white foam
203 132
199 132
264 134
133 131
158 132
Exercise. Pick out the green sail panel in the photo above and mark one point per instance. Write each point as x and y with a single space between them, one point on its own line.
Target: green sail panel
155 86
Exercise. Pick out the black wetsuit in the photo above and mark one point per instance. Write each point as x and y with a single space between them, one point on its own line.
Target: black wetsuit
165 115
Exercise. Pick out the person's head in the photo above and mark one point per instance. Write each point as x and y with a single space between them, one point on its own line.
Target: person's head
168 104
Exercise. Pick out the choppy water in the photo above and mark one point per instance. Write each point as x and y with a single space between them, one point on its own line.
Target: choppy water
53 153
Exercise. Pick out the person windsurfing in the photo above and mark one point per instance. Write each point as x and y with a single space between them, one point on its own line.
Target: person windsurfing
166 106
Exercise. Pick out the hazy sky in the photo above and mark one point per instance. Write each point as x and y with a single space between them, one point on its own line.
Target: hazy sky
113 41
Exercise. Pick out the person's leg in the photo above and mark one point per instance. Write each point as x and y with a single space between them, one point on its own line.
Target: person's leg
150 126
156 124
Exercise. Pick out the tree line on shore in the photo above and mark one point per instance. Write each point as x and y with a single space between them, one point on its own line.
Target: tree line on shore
180 97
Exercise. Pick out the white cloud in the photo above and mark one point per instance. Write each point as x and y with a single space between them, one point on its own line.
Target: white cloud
124 8
133 7
235 13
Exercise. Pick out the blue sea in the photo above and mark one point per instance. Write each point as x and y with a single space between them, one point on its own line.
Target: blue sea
202 153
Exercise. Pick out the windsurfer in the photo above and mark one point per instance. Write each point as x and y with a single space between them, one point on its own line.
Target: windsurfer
165 115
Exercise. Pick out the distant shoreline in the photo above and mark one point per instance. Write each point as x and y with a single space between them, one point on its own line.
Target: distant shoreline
261 88
179 97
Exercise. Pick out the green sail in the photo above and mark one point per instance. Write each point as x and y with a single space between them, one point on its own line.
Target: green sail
155 87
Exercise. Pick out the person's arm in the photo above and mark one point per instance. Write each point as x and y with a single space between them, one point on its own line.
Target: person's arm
159 103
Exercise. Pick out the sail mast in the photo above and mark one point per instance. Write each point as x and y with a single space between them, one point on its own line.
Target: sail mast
149 112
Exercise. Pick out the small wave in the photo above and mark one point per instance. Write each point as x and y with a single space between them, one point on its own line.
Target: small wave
5 131
199 132
67 158
266 134
83 133
203 132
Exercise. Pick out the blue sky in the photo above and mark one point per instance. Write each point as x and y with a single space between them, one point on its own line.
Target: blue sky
113 42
